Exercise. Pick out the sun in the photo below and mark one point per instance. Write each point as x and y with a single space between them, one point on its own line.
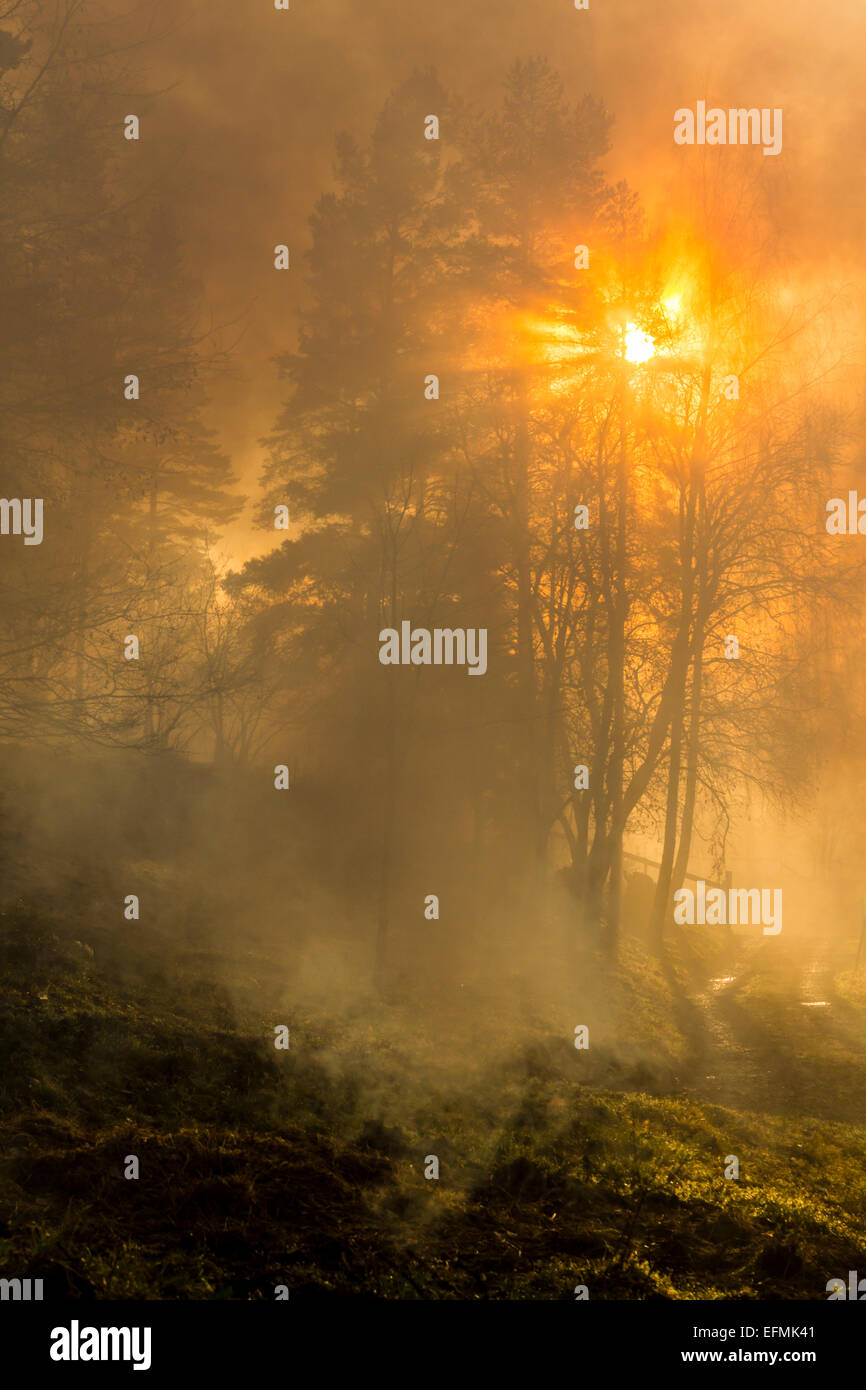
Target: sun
639 346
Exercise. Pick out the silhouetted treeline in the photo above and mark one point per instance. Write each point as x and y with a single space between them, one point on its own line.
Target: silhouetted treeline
510 407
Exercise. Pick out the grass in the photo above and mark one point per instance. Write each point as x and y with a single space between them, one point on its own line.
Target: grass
558 1167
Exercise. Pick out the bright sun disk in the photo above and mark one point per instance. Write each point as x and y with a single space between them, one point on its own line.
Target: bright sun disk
639 346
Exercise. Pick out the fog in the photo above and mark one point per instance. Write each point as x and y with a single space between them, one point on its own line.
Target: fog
445 640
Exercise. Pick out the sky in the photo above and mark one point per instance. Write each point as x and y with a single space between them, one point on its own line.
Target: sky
252 99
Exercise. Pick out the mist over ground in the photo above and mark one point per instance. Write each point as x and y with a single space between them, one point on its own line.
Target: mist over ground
396 977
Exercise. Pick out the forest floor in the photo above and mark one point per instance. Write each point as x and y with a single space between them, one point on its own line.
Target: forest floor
558 1167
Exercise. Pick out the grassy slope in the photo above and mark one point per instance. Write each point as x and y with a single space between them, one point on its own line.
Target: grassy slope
306 1167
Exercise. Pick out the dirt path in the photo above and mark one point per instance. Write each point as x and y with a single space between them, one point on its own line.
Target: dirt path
730 1071
796 1049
